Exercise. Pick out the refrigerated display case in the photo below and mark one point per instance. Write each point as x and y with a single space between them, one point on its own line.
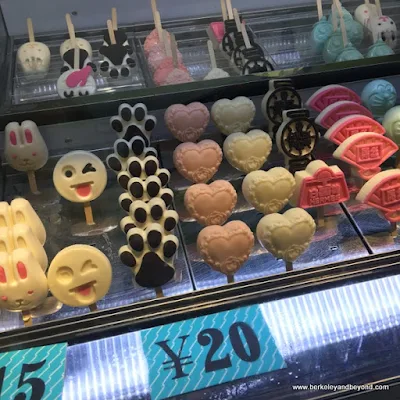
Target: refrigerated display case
333 318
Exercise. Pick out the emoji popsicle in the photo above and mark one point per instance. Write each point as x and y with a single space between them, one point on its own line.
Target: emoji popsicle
80 177
79 276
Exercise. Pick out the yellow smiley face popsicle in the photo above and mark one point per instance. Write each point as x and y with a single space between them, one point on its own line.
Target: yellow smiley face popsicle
79 275
80 176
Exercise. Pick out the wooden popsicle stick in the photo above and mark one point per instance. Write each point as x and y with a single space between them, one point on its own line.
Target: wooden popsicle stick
320 217
167 44
212 54
223 9
93 307
114 18
289 266
88 213
111 32
32 182
31 33
378 7
342 23
229 7
159 28
154 9
230 278
27 318
245 36
237 20
76 56
320 11
334 17
174 48
159 292
71 29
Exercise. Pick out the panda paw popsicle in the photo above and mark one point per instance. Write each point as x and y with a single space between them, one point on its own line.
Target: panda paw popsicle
33 57
80 177
25 150
117 60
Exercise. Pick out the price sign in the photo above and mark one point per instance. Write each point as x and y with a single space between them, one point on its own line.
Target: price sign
33 374
197 353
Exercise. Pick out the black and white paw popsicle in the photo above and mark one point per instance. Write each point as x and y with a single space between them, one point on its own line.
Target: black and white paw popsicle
117 58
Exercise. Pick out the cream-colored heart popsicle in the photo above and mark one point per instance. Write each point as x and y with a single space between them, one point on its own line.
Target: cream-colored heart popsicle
247 152
33 57
80 177
79 276
20 211
268 191
286 236
20 236
25 150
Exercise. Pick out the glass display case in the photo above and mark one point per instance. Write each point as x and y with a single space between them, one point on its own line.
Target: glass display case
331 310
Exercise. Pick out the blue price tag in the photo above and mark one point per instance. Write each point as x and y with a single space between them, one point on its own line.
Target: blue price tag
37 372
207 351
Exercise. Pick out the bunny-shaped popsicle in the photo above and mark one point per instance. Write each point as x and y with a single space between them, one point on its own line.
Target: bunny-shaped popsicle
23 284
25 150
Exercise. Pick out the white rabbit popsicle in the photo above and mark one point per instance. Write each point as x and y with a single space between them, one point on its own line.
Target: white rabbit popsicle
25 150
21 236
23 284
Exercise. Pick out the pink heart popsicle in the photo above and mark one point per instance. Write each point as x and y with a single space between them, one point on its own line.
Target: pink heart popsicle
187 123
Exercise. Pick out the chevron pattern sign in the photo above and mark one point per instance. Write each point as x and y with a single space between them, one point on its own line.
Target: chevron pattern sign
198 353
37 372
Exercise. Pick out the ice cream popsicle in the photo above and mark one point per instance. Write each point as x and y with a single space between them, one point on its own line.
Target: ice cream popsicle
120 36
76 82
21 236
79 276
80 177
286 236
382 27
68 50
319 185
382 192
33 57
321 31
25 150
20 211
226 248
117 58
23 284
